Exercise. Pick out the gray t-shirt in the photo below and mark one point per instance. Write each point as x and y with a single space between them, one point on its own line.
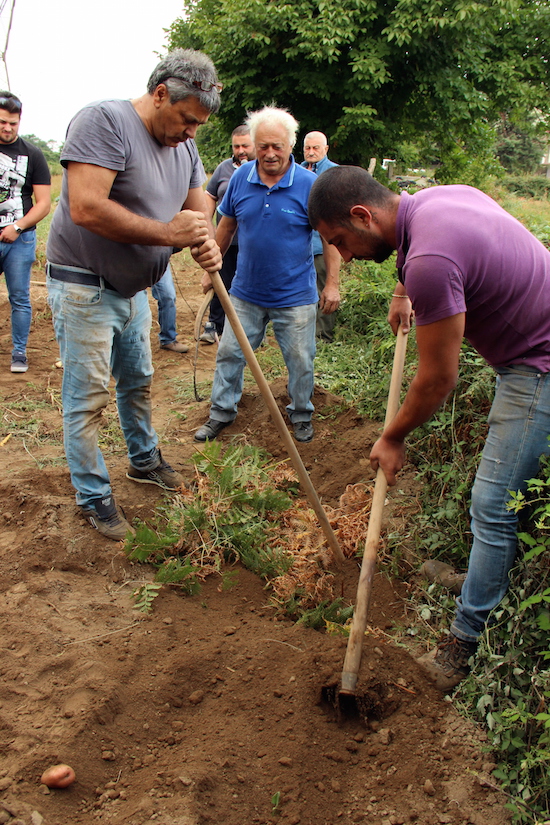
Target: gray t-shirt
152 181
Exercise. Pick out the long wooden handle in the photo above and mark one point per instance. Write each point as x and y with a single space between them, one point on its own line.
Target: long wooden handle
352 659
265 389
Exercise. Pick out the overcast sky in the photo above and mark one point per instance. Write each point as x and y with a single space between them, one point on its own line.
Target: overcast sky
63 54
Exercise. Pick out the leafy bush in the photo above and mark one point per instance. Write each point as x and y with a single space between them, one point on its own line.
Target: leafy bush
357 366
510 691
527 186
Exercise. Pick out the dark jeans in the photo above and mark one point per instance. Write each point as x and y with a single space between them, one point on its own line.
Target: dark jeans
227 273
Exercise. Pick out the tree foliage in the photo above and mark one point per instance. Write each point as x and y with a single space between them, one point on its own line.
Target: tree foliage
375 73
50 151
519 147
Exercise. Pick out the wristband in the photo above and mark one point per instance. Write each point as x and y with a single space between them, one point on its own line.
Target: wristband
395 295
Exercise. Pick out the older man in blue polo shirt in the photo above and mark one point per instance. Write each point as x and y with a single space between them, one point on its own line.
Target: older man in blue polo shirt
275 278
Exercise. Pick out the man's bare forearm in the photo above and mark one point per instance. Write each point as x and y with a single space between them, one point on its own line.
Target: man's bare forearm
116 223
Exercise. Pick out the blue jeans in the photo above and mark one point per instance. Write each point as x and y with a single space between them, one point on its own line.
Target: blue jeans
164 294
99 332
16 260
294 329
519 426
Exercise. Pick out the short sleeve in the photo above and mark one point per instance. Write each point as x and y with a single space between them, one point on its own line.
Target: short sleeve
213 183
435 286
226 207
40 175
95 136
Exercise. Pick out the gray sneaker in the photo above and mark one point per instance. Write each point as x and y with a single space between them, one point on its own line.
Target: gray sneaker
441 573
108 518
163 475
448 663
210 335
175 346
19 363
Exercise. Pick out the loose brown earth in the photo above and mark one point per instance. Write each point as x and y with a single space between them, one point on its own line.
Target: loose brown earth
210 710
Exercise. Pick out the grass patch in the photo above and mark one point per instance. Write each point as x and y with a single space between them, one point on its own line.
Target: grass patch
244 509
231 517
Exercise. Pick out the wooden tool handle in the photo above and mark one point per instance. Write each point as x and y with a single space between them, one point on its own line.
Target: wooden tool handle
352 659
265 389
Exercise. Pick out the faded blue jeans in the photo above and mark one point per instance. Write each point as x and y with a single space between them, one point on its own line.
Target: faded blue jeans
294 329
519 426
101 333
164 293
16 260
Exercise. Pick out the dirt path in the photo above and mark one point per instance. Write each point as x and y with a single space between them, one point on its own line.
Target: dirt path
210 710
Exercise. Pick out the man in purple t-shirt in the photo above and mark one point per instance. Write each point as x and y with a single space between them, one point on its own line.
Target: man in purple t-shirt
470 270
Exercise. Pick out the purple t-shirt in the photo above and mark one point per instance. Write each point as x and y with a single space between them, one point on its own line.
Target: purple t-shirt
459 251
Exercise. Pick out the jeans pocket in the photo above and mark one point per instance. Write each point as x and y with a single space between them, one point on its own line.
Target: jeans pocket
82 295
27 239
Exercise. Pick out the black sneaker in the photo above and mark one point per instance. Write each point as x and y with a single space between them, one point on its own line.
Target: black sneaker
447 664
303 431
162 475
210 430
108 518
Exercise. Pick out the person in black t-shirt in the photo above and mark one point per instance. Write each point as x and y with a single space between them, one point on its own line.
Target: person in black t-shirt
24 201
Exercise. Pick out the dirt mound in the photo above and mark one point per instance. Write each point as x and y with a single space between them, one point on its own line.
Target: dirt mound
212 708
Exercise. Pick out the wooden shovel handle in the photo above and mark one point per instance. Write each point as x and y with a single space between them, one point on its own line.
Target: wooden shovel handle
265 389
352 659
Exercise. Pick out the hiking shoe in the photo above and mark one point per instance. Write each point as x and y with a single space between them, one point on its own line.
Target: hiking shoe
108 518
303 431
447 664
441 573
210 334
210 430
175 346
19 363
162 475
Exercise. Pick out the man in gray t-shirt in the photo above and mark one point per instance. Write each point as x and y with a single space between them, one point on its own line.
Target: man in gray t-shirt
132 193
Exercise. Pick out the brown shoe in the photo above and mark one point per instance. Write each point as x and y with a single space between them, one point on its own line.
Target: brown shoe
447 664
175 346
441 573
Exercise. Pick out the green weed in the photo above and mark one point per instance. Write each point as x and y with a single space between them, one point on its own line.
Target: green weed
232 517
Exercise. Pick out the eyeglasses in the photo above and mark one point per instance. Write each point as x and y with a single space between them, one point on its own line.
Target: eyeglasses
203 85
13 103
206 85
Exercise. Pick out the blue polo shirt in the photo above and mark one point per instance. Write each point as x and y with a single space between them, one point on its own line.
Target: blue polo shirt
275 263
318 168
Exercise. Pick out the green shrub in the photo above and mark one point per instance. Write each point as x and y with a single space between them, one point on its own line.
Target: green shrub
527 186
510 690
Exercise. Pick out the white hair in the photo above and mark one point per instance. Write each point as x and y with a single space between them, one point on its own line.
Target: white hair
273 116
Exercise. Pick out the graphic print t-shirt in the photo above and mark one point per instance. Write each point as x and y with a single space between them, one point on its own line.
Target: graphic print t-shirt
22 166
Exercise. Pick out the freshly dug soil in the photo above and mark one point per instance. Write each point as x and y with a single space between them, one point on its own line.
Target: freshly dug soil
211 709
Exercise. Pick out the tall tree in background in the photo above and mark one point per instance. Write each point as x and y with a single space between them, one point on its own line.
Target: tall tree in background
375 73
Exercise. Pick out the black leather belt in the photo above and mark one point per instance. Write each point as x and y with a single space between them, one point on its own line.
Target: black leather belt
71 277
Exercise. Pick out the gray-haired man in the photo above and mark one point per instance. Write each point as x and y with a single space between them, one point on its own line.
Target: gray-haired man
132 192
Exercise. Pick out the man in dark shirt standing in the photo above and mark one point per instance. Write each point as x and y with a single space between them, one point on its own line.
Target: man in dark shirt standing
243 151
24 176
